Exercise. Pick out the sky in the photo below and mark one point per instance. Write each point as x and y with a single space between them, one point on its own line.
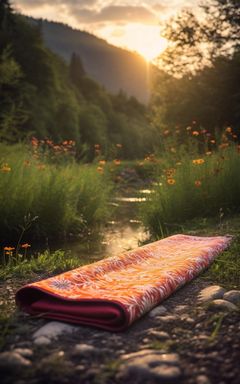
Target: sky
132 24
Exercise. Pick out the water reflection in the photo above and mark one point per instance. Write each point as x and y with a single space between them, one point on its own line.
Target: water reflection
122 233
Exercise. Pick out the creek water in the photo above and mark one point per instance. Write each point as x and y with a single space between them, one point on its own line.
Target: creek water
124 232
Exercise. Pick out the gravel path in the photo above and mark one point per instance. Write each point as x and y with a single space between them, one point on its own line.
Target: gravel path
192 338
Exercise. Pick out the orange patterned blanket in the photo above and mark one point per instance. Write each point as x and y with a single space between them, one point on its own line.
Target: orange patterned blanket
114 292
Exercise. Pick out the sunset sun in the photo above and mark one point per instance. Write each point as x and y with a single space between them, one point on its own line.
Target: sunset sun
144 39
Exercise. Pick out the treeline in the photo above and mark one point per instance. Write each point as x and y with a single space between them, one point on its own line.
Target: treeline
42 96
200 75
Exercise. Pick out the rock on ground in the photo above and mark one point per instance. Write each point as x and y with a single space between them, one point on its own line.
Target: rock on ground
12 359
222 305
210 293
232 296
151 366
157 311
52 330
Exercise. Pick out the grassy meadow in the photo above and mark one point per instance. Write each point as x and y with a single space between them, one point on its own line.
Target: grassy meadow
45 194
193 184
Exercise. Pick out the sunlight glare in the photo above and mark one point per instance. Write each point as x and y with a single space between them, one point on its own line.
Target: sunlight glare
144 39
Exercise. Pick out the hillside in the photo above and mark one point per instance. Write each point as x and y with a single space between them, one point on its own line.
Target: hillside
113 67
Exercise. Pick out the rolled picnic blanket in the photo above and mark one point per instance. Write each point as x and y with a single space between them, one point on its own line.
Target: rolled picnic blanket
114 292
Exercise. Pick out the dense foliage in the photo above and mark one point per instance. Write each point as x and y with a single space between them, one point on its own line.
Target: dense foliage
42 96
199 80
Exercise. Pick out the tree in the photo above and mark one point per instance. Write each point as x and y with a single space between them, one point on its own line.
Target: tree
201 74
196 42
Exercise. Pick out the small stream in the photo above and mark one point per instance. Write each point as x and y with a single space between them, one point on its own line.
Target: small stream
122 233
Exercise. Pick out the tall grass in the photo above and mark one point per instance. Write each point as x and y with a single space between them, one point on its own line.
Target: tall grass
65 198
196 186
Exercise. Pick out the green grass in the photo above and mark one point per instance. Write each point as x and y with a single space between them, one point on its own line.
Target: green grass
55 262
225 270
207 189
66 198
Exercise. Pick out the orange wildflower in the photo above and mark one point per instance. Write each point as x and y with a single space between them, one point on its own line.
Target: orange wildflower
119 145
228 130
5 168
8 248
198 183
117 162
213 141
195 133
100 169
26 245
102 162
198 161
34 142
171 181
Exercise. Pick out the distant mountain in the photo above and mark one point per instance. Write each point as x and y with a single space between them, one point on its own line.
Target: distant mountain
113 67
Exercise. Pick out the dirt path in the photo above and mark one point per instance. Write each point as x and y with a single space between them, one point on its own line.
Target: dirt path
187 343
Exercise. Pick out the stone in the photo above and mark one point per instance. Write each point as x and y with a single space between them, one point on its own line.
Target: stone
11 359
159 335
210 293
167 319
180 308
159 310
167 374
202 379
151 358
54 329
222 305
232 296
150 366
86 350
25 352
41 341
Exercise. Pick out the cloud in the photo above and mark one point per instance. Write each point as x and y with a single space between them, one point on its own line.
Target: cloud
116 13
160 7
32 4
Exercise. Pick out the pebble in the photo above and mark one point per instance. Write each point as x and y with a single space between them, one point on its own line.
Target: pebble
181 308
13 359
150 366
25 352
210 293
160 335
150 355
222 305
160 310
54 329
86 350
167 319
41 341
232 296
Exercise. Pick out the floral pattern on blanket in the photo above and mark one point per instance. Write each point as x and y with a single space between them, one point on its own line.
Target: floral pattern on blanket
141 278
